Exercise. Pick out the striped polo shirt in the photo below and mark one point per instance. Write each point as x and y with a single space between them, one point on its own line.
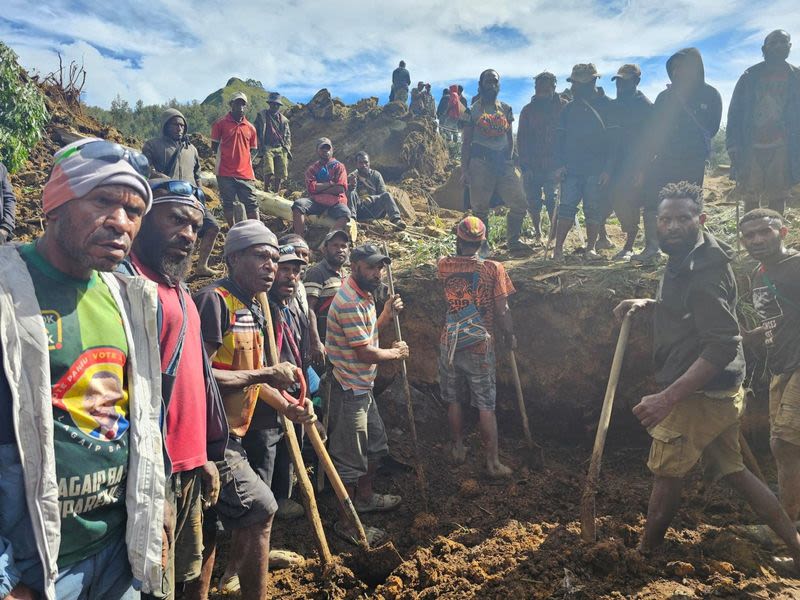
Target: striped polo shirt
352 324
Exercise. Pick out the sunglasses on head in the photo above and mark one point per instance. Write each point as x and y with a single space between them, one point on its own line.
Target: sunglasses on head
180 188
287 249
110 152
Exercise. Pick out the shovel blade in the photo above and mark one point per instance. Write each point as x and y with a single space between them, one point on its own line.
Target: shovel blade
374 565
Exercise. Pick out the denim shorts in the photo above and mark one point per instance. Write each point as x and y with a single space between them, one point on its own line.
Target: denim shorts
472 375
584 188
307 206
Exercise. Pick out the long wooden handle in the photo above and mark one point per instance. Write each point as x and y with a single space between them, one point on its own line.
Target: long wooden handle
325 419
336 483
588 531
521 400
294 449
420 472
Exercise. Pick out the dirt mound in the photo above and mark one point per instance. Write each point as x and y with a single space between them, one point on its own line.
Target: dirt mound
395 141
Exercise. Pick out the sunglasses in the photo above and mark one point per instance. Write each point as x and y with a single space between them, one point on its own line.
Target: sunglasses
110 152
287 249
180 188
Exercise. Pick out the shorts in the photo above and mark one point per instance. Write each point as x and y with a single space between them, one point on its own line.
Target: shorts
276 162
233 189
765 178
472 375
535 185
626 200
307 206
184 492
584 188
485 182
244 499
268 454
210 223
784 407
706 424
356 435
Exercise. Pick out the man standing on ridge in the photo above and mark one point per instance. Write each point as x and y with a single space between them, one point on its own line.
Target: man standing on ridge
274 143
173 156
234 139
401 80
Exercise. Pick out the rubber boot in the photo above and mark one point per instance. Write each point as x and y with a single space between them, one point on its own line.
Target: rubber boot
485 249
513 233
651 252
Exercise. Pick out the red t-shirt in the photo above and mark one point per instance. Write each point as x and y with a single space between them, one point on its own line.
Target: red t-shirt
333 172
235 141
186 414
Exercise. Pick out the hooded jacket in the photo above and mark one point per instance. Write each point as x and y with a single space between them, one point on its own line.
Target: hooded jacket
695 316
683 125
536 135
739 130
160 151
586 136
632 114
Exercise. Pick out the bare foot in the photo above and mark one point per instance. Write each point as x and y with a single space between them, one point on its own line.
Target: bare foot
498 470
204 271
459 453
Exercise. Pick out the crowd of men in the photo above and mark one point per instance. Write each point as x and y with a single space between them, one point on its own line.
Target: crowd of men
137 419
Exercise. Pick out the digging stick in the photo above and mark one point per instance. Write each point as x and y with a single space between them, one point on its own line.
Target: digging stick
325 418
554 220
421 483
294 449
738 239
588 532
520 399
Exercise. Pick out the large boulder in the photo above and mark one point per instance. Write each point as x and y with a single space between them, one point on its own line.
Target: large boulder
395 141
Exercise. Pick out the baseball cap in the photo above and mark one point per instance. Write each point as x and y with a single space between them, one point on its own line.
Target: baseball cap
322 141
370 254
629 71
238 96
471 229
333 233
289 254
583 73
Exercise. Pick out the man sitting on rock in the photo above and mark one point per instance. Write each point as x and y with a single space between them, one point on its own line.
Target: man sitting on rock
326 183
368 196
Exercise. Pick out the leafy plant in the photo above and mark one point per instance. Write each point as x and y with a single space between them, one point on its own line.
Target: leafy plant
23 113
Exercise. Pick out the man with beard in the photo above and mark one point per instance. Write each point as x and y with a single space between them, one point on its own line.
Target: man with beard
357 438
196 431
685 118
326 185
64 318
536 140
632 109
775 285
763 130
324 279
233 329
585 157
486 160
274 142
234 139
697 351
173 156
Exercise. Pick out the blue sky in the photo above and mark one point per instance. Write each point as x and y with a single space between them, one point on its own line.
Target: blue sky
186 49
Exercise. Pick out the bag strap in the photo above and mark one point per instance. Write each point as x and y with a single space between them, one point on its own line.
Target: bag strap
596 114
775 291
173 160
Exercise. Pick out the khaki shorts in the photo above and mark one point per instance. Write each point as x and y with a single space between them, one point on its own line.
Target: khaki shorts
484 182
784 407
703 425
276 162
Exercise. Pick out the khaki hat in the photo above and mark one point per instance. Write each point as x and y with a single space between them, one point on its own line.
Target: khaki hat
629 71
238 96
323 141
583 73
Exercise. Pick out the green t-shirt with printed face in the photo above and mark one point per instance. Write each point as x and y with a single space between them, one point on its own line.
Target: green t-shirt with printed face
88 355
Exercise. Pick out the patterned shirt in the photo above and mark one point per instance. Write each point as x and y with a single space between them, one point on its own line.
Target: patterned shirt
352 323
323 282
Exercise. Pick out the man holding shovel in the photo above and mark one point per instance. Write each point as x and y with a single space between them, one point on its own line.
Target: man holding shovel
476 292
700 367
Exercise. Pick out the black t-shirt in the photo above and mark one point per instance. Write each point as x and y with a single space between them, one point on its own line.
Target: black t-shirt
776 298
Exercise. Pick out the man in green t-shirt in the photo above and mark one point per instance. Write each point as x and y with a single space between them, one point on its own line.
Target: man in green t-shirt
86 445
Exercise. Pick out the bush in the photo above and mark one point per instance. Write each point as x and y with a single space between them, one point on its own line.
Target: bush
23 113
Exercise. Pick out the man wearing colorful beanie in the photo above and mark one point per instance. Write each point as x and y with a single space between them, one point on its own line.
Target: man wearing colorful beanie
476 292
81 463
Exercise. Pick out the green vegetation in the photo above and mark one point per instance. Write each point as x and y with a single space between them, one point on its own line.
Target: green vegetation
144 121
719 153
23 113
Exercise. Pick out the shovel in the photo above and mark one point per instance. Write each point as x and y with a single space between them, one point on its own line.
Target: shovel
588 531
374 564
523 413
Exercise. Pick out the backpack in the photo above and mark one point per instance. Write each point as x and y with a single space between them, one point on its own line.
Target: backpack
464 328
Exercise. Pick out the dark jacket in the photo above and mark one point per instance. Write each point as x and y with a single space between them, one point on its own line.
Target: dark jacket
739 129
8 203
272 132
161 150
695 316
682 128
536 135
401 77
632 115
586 144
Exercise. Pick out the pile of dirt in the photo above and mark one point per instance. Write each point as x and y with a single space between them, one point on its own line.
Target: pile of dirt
397 143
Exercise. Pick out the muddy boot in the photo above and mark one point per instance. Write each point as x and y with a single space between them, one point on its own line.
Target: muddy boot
651 253
514 230
603 241
485 249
